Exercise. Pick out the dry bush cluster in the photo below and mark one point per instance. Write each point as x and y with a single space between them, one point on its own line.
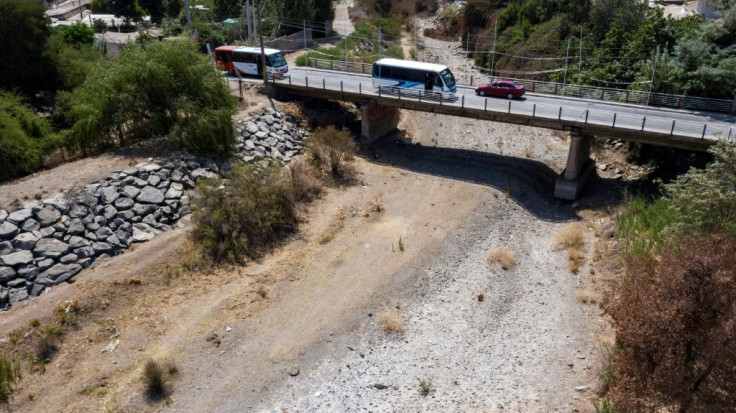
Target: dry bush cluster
156 377
502 256
332 148
572 240
392 321
674 317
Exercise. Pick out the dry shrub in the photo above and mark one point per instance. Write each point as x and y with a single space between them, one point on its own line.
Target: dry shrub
392 321
9 373
586 296
332 148
674 317
502 256
572 240
301 186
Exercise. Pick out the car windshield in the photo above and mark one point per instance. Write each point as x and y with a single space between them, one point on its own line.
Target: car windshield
448 78
277 59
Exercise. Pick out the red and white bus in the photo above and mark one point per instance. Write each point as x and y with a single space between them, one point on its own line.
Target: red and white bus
247 60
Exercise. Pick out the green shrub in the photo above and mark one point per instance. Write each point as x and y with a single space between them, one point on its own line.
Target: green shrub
332 147
23 138
244 218
644 225
9 373
162 88
78 34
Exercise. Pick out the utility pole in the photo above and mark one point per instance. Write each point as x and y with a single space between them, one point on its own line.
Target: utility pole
260 34
493 52
467 45
567 56
654 70
189 17
247 18
580 54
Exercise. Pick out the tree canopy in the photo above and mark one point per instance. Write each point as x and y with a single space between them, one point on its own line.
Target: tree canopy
24 29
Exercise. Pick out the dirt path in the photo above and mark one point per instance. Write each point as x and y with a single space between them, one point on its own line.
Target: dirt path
342 24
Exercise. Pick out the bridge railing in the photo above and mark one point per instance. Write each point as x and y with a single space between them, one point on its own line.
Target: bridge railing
551 88
643 122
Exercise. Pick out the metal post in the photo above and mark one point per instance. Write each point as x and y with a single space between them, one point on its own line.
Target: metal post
341 91
567 56
248 19
260 35
704 127
534 110
509 106
323 83
306 81
462 103
360 88
189 17
467 45
304 33
643 122
614 121
586 116
654 70
559 114
399 89
673 127
493 51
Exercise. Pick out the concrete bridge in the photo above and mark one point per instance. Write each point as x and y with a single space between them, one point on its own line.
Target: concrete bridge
582 118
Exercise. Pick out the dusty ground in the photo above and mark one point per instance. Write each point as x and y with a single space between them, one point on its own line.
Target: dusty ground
301 329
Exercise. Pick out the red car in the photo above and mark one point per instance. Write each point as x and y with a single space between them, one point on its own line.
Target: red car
504 88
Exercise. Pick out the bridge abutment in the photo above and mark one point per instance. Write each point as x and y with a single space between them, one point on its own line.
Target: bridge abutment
377 121
579 167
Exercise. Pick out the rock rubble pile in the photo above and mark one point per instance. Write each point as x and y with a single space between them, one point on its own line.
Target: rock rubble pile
46 243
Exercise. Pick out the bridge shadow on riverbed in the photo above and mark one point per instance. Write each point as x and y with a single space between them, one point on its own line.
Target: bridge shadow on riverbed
527 182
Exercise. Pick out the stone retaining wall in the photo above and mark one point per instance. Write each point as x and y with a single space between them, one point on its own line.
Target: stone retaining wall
46 243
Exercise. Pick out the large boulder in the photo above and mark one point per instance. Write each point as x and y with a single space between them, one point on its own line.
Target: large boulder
109 194
59 202
143 209
57 274
25 241
76 227
28 272
130 191
78 210
76 242
17 258
203 173
17 294
50 248
123 203
8 230
20 215
175 191
143 232
6 274
30 225
150 195
6 247
48 215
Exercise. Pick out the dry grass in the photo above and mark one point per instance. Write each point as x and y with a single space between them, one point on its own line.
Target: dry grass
392 321
502 256
587 296
572 240
334 228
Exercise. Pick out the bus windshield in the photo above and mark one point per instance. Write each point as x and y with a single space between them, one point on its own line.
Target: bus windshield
448 78
277 59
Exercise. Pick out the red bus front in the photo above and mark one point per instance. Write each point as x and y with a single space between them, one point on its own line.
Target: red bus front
224 58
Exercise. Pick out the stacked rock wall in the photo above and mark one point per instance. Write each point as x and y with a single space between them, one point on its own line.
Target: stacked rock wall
47 243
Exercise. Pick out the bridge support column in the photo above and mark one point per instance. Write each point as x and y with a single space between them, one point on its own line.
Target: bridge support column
579 167
377 121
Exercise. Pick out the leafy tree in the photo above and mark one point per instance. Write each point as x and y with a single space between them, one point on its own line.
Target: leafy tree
129 10
24 29
154 8
323 10
162 88
23 138
78 34
101 6
674 318
71 62
172 8
707 197
225 9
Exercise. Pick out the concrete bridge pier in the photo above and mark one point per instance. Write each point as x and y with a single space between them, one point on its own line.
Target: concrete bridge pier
579 166
377 121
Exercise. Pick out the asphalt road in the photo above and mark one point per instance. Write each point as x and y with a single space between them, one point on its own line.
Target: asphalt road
629 116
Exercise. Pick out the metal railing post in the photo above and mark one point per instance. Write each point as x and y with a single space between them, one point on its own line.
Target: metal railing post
559 114
614 120
672 131
360 89
341 91
462 102
323 83
704 126
534 110
306 81
289 80
509 107
586 116
485 105
399 89
643 122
